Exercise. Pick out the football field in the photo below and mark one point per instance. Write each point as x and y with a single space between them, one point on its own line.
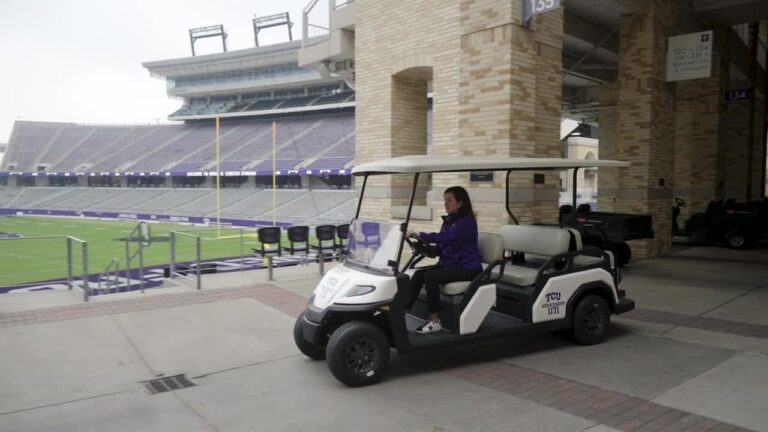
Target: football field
28 259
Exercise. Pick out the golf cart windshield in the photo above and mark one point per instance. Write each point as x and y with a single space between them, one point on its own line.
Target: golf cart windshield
374 244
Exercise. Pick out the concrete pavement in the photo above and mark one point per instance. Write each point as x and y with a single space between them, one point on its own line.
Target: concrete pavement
694 356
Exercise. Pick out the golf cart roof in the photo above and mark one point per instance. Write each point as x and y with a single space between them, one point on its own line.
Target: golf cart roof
436 164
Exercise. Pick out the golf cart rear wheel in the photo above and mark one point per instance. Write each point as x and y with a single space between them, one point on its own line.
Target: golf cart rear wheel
306 347
358 353
623 253
591 318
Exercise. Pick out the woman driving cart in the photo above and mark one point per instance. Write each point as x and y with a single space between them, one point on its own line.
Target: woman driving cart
456 245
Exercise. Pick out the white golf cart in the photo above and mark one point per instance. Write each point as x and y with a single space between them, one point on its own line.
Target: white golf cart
536 278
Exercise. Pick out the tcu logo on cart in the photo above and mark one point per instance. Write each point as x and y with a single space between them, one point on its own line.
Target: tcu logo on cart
553 303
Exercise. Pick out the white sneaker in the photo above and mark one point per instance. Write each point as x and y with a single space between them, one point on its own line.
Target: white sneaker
429 327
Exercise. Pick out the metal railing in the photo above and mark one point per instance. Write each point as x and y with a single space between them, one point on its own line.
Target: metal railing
113 271
69 240
315 21
173 273
142 236
219 233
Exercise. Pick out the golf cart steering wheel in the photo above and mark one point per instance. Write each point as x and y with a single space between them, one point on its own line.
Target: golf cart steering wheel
420 246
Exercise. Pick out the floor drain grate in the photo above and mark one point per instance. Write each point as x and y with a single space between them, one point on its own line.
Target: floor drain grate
160 385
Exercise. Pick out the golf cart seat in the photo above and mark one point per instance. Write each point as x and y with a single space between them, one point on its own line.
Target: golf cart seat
491 250
538 243
577 244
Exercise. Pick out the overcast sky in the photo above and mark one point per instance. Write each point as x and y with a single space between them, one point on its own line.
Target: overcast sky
80 60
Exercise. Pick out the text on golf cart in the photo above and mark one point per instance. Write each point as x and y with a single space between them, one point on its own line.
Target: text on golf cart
553 303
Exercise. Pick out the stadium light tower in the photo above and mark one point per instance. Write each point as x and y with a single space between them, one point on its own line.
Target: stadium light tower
261 23
204 32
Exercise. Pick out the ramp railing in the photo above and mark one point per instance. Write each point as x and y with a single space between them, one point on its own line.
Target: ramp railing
142 237
186 247
110 277
184 273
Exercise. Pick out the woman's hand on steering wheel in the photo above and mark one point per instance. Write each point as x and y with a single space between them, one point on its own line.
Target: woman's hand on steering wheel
411 238
419 245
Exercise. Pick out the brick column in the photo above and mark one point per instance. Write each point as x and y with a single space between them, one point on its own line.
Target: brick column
400 46
496 90
645 125
608 147
509 103
697 147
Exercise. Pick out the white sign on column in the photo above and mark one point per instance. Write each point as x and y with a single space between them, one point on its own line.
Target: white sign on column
689 56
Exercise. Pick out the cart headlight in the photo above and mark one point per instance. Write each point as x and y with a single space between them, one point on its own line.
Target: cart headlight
359 290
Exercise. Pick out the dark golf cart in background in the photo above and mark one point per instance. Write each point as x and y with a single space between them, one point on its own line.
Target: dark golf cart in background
737 225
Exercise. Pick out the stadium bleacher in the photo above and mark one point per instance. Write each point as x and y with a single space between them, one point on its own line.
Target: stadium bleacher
263 104
116 156
298 206
333 98
169 169
62 147
106 137
318 142
298 101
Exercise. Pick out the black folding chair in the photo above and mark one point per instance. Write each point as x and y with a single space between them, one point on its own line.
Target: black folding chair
342 233
269 237
298 236
324 235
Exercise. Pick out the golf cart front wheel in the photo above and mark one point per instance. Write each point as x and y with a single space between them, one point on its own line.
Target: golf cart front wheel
591 318
306 347
358 353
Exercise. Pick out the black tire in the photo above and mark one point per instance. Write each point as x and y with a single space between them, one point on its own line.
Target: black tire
306 347
358 353
623 253
591 319
737 239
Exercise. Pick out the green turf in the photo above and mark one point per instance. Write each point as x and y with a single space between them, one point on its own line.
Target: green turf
30 260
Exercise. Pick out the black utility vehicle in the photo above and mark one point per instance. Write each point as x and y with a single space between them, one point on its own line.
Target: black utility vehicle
738 225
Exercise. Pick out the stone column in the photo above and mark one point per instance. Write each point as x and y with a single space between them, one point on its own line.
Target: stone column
509 103
608 145
400 46
742 160
645 124
496 91
698 110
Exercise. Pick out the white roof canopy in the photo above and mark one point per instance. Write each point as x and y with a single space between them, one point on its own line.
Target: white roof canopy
433 164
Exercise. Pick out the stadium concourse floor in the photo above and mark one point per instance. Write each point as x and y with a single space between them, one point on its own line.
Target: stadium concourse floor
693 356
